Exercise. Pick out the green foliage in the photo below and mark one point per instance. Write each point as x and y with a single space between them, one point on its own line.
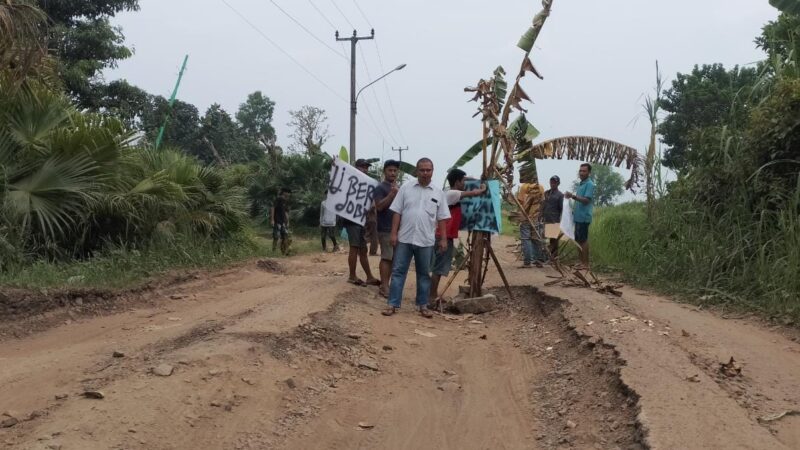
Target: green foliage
86 43
305 175
255 118
70 182
710 96
727 231
608 185
707 257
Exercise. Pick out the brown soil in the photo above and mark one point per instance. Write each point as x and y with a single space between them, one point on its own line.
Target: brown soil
286 354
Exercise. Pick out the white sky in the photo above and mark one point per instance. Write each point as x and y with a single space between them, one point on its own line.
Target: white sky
597 59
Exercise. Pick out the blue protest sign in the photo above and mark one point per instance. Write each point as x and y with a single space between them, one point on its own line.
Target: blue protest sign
482 213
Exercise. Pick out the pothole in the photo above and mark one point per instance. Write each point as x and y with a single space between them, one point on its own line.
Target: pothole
580 401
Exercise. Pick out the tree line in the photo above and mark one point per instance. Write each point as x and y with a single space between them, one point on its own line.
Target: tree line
78 171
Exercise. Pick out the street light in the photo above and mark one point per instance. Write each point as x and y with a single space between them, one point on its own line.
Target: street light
353 110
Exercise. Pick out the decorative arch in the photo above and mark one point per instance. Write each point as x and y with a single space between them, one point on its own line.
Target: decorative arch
590 149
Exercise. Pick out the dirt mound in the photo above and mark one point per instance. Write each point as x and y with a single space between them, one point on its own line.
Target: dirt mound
271 266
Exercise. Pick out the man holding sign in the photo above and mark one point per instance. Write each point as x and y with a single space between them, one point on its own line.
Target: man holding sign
350 194
419 209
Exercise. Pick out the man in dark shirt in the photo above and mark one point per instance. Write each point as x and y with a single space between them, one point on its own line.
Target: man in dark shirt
383 197
279 217
552 207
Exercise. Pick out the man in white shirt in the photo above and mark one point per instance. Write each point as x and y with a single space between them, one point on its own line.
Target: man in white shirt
327 225
420 208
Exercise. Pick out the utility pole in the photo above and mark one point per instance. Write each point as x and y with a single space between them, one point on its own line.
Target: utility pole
171 102
353 41
400 150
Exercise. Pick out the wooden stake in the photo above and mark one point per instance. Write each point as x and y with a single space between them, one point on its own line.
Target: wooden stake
502 274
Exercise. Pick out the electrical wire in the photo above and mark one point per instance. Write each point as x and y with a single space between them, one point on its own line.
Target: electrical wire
303 27
388 93
362 14
385 81
377 102
342 14
287 54
322 14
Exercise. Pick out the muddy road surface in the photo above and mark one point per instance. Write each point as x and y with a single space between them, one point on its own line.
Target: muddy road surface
287 355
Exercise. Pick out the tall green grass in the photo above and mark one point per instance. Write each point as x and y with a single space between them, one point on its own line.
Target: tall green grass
708 257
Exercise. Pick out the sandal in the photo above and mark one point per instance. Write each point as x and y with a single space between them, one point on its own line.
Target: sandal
356 281
389 311
373 282
425 312
383 293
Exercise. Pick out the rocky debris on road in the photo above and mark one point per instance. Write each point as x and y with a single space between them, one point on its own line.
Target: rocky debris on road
291 383
365 425
476 305
118 354
96 395
368 363
270 265
730 369
178 296
163 370
427 334
61 396
388 348
8 419
412 342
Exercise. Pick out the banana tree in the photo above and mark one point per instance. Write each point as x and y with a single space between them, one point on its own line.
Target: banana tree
514 141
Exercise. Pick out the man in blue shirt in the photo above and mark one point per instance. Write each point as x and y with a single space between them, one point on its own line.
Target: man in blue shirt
583 211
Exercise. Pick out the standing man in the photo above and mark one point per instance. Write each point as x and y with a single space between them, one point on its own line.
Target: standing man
530 195
383 197
327 226
279 219
552 207
358 244
420 208
443 261
583 211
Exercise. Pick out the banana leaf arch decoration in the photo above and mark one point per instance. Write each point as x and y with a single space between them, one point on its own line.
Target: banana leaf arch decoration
593 150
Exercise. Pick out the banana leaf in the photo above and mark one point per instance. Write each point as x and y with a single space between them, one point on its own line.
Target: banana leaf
407 168
470 154
787 6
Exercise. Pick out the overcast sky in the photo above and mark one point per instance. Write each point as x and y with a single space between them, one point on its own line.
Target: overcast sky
597 59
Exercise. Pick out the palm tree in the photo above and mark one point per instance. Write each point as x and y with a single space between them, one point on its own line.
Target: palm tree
22 37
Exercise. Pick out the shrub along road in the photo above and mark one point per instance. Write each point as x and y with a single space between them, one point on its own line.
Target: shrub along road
286 354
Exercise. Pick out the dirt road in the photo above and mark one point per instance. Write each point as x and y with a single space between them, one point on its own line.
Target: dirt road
287 355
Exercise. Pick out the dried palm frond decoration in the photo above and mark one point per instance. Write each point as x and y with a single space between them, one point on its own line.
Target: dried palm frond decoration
590 149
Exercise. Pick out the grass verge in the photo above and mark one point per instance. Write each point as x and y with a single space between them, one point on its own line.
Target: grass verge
746 266
120 268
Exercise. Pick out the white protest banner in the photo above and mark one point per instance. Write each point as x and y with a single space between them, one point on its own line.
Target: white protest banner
349 192
567 223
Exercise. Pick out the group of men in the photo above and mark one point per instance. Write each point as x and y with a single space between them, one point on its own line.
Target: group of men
421 222
549 214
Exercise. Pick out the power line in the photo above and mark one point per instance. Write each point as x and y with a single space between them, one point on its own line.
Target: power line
287 54
341 55
385 82
380 109
362 13
322 14
345 17
389 95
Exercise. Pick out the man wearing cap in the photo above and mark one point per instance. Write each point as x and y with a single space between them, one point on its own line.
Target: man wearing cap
420 208
358 243
552 207
383 196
